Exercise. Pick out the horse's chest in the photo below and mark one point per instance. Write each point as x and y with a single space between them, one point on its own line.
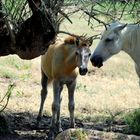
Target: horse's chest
67 79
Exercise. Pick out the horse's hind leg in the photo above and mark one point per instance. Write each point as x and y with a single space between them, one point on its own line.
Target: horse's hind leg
44 92
71 105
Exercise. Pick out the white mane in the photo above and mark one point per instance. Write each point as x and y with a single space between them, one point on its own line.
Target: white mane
114 25
131 34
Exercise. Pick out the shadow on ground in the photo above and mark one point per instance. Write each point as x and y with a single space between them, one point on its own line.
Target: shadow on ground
22 126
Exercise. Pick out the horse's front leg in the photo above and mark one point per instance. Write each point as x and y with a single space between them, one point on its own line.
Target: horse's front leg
44 92
58 123
56 108
71 105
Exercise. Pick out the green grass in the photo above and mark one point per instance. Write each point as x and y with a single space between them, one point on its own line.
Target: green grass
13 67
15 62
132 119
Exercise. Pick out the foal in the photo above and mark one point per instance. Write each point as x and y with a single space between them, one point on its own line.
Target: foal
59 66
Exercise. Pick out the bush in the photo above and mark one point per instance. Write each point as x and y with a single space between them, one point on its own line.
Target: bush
133 121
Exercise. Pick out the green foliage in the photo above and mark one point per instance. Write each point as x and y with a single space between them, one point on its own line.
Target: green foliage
78 135
106 11
116 10
7 96
16 10
19 94
133 121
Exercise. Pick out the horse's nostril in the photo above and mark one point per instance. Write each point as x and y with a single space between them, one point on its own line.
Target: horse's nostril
86 70
83 71
96 61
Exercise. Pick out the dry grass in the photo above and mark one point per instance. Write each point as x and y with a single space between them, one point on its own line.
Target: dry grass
112 88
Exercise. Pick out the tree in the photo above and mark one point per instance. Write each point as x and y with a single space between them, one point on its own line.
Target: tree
30 35
32 31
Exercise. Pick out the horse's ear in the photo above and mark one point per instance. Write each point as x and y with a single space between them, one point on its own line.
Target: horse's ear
119 28
77 41
90 40
107 26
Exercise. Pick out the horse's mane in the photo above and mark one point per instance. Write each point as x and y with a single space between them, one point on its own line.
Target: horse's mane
70 40
132 34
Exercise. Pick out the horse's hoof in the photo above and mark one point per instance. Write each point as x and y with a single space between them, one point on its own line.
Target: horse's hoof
38 118
38 121
58 127
72 125
51 135
60 130
37 125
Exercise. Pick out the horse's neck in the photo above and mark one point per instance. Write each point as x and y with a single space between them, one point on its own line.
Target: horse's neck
131 41
70 56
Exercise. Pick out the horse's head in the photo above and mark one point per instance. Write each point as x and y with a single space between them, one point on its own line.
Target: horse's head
82 53
110 44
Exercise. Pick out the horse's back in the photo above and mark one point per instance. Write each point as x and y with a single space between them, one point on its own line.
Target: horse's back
52 58
46 62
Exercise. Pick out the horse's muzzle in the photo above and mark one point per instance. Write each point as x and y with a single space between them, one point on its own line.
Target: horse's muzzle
96 61
83 71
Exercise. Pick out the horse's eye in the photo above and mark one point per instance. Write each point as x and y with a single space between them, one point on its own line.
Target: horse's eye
76 52
89 54
108 40
84 44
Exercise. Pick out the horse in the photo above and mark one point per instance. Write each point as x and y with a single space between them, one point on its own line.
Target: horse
58 66
117 37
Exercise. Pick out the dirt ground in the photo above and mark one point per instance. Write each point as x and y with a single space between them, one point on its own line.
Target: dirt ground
23 106
22 126
105 92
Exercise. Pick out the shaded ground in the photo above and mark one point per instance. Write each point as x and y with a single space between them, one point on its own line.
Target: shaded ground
22 126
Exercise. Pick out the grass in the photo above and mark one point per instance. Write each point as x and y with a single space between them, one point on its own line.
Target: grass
132 119
13 67
102 92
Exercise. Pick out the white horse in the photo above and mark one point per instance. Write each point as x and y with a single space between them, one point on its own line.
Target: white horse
118 37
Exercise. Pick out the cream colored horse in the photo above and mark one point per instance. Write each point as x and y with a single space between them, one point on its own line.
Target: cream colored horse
59 66
118 37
